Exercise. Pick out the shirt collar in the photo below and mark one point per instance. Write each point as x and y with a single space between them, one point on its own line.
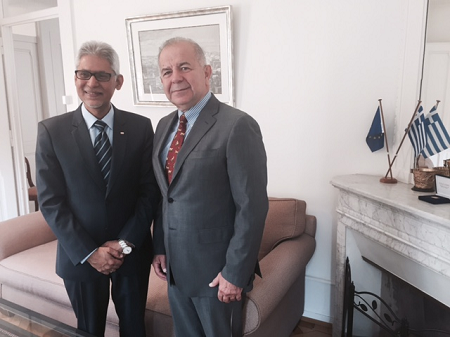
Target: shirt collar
193 112
90 119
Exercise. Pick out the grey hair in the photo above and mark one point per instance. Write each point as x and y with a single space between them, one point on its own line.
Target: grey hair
199 53
100 49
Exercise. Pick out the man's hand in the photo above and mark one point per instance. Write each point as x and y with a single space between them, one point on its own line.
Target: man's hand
228 292
107 258
159 264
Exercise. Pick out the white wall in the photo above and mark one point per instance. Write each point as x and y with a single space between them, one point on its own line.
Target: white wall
438 23
311 73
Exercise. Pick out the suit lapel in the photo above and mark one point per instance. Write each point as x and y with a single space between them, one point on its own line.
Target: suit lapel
120 136
204 122
165 128
82 137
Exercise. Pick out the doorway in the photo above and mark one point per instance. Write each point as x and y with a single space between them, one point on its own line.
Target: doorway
31 89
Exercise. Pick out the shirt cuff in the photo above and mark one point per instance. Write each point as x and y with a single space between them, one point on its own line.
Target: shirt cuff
87 257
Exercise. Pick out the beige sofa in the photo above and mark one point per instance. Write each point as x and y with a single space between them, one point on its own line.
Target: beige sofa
273 307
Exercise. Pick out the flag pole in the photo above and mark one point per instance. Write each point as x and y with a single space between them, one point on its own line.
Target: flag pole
386 180
437 103
404 136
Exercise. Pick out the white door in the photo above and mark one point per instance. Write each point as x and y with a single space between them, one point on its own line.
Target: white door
51 67
29 91
40 87
8 195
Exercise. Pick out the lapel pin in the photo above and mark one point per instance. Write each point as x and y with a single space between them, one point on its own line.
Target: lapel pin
122 133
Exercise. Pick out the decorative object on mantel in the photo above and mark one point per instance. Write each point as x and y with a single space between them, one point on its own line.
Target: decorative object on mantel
442 195
376 138
428 137
424 177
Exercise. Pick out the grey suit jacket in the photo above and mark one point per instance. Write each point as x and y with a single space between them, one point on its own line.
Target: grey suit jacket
213 212
74 200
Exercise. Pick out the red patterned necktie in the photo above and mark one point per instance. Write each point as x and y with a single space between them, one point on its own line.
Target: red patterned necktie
175 147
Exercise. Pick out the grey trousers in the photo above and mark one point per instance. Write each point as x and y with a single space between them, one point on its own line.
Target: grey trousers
205 316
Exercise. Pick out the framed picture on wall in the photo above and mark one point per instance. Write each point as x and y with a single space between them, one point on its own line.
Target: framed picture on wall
209 27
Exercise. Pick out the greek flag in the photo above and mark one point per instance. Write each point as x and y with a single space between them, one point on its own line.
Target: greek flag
437 138
375 137
416 133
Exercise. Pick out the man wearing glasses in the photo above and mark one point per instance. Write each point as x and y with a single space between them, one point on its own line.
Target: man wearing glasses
98 193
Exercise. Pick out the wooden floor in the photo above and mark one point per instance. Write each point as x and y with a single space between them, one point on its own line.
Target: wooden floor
312 328
306 328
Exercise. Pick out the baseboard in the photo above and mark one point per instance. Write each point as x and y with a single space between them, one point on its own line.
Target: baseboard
316 317
314 322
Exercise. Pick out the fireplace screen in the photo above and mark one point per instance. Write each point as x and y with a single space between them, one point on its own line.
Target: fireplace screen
409 313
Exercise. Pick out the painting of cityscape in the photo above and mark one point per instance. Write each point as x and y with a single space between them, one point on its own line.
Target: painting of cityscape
150 41
210 28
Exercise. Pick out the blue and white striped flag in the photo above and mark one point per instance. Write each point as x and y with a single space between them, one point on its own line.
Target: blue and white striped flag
437 138
416 133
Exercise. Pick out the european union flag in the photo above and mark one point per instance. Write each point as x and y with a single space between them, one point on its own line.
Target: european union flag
375 137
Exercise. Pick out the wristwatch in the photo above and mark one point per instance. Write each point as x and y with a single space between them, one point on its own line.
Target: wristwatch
125 248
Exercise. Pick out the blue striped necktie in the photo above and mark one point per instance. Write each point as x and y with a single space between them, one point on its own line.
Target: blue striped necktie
103 149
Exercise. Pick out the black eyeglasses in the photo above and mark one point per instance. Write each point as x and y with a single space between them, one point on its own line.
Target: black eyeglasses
100 76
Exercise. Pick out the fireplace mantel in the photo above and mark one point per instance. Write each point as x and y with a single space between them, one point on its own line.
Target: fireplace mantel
407 237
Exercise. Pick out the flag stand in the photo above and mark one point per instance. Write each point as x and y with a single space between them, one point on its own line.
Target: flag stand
386 179
401 143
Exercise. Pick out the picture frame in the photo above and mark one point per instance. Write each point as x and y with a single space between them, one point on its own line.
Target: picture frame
210 27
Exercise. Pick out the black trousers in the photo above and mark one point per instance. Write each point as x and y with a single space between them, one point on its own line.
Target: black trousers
90 302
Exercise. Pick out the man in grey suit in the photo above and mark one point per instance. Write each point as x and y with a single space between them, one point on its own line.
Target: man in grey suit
214 199
100 211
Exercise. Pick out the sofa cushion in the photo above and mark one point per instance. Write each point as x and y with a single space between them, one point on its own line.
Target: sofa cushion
286 219
26 272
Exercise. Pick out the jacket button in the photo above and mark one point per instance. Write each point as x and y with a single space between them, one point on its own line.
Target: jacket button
170 200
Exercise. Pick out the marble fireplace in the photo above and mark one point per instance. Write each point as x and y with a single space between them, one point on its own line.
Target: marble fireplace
394 230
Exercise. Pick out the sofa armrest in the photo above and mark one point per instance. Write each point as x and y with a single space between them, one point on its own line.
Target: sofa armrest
311 225
23 232
280 269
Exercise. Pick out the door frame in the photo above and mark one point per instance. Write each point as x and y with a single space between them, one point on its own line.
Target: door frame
8 195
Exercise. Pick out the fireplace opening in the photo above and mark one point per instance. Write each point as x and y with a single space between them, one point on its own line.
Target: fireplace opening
397 309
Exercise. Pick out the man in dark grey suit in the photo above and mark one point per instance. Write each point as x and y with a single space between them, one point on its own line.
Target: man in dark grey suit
214 199
100 213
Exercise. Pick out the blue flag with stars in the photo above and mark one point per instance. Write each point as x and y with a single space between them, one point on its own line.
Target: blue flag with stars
375 137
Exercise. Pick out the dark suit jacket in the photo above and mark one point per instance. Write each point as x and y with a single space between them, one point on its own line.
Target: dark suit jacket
74 199
213 212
